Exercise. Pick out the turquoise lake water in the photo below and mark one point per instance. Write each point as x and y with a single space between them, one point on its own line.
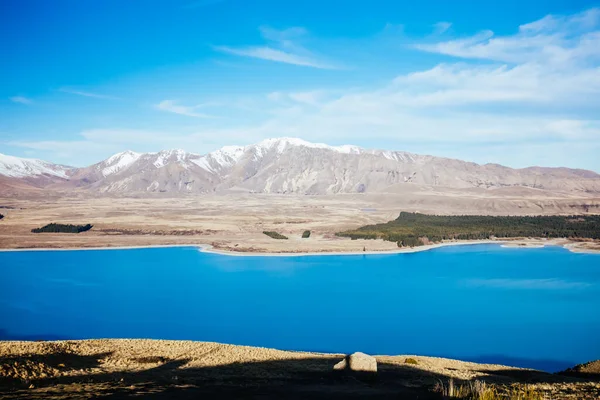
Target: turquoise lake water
536 308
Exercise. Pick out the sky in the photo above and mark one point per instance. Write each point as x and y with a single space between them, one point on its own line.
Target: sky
509 82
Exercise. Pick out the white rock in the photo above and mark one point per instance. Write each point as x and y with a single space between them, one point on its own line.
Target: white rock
358 362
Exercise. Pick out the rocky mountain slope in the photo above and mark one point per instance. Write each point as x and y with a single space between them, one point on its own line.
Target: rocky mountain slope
287 165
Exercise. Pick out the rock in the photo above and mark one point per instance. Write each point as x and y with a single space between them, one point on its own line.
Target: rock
341 365
358 362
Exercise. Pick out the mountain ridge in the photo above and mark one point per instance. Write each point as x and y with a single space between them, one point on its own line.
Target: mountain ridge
288 165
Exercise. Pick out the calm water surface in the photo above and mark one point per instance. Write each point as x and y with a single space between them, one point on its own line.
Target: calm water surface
537 308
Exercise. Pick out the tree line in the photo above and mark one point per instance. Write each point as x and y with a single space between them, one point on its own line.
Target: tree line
62 228
415 229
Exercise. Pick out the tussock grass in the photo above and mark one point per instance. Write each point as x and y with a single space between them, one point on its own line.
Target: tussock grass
479 390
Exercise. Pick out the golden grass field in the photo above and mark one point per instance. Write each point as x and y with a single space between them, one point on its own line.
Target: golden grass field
235 222
160 369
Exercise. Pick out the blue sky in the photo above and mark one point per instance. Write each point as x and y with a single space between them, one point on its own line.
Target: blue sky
510 82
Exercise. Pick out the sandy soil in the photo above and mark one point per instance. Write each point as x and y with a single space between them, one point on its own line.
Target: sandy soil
236 222
183 369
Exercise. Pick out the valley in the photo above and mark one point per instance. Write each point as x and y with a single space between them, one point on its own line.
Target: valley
236 222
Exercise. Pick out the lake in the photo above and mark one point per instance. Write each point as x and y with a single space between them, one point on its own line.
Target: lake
536 308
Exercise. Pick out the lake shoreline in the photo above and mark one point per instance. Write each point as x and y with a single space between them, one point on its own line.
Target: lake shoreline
207 248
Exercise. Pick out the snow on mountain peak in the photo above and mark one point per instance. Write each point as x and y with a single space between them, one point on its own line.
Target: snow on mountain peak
224 157
118 156
119 162
166 155
18 167
227 155
284 142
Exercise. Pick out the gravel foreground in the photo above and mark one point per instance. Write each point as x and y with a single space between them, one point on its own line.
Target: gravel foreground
161 369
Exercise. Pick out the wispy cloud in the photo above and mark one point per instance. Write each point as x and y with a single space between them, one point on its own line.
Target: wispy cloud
312 97
21 100
87 94
521 99
93 145
190 111
441 27
553 39
270 54
66 150
282 46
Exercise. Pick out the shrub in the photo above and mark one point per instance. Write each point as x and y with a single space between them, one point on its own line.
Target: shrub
1 216
274 235
305 234
411 361
479 390
62 228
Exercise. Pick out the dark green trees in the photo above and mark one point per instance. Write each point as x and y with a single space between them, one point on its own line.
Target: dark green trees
410 229
274 235
62 228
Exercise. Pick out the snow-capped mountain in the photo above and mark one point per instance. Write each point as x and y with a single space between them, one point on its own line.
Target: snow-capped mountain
17 167
289 165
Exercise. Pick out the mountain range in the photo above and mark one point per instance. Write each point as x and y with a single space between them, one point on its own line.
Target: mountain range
283 165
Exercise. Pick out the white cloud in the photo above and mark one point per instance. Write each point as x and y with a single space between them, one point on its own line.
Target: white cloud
441 27
87 94
94 145
69 152
283 47
527 98
275 96
173 107
270 54
285 37
21 100
540 89
556 40
531 84
312 97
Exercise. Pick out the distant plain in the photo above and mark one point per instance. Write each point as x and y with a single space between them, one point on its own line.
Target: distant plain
235 221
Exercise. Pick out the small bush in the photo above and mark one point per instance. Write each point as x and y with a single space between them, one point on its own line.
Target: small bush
274 235
62 228
411 361
1 216
305 234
